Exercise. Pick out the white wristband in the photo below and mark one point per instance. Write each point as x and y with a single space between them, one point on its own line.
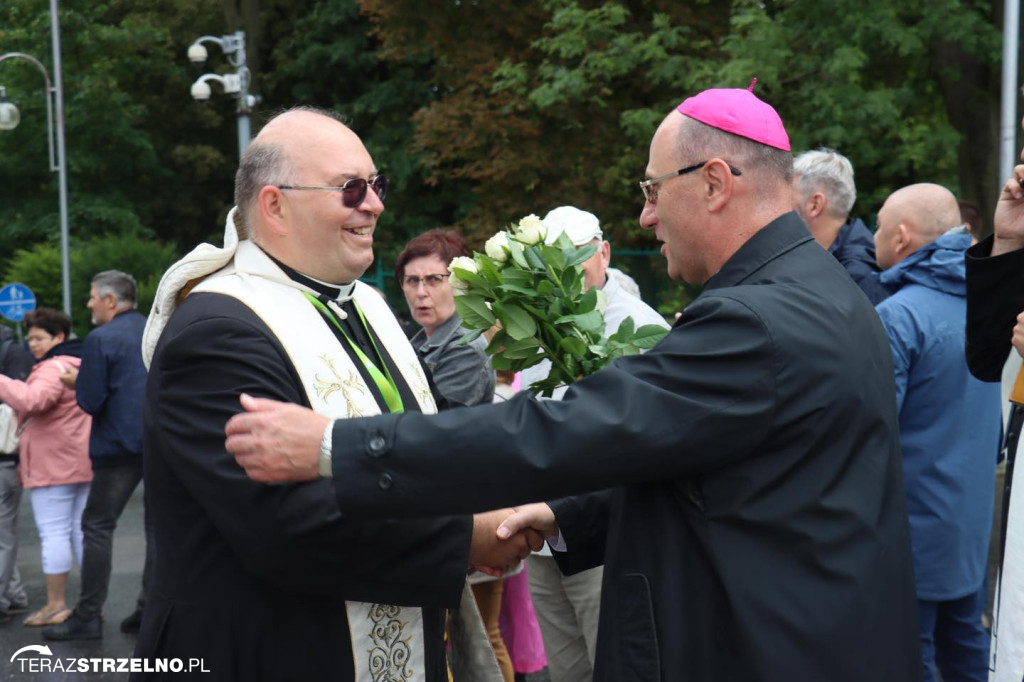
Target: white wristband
324 463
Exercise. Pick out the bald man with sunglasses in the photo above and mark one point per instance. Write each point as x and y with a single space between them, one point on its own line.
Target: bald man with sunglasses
274 583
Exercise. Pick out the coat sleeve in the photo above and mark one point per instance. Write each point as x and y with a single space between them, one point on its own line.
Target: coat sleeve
901 330
995 296
91 387
701 399
292 536
583 522
40 393
463 376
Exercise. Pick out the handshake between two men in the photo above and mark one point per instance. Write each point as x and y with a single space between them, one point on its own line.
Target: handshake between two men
277 442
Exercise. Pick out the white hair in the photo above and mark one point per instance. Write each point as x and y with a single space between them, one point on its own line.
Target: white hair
829 172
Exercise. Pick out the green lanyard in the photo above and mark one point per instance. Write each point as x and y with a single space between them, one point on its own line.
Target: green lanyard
385 384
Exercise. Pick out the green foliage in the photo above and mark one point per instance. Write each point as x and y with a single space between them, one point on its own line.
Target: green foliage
534 293
139 154
39 269
480 113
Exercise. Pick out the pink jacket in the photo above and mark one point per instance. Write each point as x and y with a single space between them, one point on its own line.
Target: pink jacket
54 445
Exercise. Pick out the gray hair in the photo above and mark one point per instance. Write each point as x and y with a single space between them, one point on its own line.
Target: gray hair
266 163
829 172
262 164
698 142
120 284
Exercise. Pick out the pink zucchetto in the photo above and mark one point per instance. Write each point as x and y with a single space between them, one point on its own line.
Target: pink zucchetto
739 112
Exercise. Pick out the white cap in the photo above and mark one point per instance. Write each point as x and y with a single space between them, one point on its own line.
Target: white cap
580 226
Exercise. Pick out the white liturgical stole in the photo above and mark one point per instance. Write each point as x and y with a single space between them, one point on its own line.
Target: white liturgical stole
387 641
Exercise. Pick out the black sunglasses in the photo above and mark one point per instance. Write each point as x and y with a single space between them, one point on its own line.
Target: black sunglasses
353 192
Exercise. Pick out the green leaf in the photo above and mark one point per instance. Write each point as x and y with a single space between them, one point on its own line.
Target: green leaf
545 387
530 362
472 279
587 302
501 362
545 288
552 256
648 335
518 289
581 254
514 320
626 328
520 350
534 259
488 269
474 311
471 337
572 281
573 345
515 249
518 277
592 321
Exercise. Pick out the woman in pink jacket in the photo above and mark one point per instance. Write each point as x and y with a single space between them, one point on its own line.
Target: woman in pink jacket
54 452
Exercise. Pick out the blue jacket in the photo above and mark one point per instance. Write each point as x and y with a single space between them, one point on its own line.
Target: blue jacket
854 248
949 421
110 386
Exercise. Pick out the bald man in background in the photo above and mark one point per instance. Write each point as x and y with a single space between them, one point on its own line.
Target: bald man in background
949 425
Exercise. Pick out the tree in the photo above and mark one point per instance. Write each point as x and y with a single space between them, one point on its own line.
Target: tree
554 101
39 269
126 84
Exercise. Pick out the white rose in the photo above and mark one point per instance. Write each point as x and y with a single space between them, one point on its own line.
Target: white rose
497 247
465 263
532 230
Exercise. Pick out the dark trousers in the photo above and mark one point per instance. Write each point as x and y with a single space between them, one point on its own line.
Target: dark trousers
953 640
112 486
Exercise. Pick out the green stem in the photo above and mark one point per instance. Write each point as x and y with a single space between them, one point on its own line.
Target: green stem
555 360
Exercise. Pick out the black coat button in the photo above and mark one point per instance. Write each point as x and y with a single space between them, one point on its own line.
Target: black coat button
377 445
385 481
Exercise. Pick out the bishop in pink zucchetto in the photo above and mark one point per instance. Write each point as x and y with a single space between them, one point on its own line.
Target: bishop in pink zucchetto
739 112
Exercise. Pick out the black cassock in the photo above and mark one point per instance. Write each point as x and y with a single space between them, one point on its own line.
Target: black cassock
755 528
253 578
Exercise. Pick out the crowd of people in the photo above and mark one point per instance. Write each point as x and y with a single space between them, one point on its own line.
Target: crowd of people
78 415
796 483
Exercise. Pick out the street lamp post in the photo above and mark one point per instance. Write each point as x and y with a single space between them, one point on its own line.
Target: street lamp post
236 83
9 118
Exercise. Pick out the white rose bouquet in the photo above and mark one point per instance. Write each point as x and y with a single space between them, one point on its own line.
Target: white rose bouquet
535 293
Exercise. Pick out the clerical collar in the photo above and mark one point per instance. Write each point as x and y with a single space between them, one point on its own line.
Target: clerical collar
331 291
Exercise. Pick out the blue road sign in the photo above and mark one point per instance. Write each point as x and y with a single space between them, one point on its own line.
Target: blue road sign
15 301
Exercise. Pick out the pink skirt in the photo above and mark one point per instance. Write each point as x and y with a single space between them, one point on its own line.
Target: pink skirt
518 624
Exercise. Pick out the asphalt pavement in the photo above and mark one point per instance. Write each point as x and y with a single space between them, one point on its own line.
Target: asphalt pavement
125 581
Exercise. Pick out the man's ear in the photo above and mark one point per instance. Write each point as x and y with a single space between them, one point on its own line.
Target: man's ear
904 237
815 205
273 208
717 186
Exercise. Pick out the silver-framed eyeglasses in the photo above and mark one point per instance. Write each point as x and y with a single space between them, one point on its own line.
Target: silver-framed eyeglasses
430 281
353 192
650 187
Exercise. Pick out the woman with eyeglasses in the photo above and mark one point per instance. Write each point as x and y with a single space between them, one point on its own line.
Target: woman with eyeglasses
462 375
54 453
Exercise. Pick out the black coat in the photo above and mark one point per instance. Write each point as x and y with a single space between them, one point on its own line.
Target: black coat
758 530
995 296
252 578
